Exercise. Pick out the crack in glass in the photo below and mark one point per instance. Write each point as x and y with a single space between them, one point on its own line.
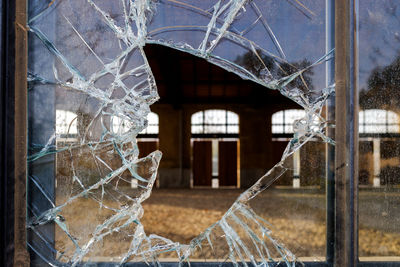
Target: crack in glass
94 52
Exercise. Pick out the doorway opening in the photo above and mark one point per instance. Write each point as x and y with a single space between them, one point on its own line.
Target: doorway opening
215 149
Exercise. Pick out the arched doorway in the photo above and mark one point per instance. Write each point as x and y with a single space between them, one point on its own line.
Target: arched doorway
215 148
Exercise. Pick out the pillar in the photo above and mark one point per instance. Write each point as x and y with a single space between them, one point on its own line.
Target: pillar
255 145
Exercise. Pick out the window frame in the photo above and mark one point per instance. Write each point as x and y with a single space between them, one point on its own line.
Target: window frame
386 124
285 123
341 187
214 135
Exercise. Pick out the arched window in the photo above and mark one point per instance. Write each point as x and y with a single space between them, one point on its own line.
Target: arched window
378 121
282 121
119 125
66 123
215 121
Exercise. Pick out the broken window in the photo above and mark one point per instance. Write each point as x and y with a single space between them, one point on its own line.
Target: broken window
95 67
89 77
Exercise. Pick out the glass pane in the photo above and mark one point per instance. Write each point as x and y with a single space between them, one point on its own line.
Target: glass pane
196 129
288 128
215 116
286 118
276 129
393 128
300 199
119 125
97 199
233 129
152 126
232 118
293 114
66 122
277 117
152 118
379 161
209 129
393 118
152 129
197 118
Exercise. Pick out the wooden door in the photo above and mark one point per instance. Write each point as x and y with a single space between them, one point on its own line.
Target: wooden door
202 165
146 147
228 163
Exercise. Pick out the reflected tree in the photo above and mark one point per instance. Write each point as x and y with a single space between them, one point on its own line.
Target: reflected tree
383 88
266 66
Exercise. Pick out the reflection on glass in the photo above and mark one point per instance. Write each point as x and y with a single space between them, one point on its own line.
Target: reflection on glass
378 121
379 158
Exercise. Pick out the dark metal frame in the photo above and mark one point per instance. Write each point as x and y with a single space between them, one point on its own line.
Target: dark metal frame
330 150
13 132
341 185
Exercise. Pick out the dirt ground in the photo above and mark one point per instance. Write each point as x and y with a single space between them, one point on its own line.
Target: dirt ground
297 218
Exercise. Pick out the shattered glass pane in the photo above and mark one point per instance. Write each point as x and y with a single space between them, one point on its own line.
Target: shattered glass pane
90 91
285 121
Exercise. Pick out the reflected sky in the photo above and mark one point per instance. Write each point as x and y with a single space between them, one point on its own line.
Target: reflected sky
379 36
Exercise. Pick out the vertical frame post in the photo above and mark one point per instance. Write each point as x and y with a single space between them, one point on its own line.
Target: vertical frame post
21 257
330 116
346 133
